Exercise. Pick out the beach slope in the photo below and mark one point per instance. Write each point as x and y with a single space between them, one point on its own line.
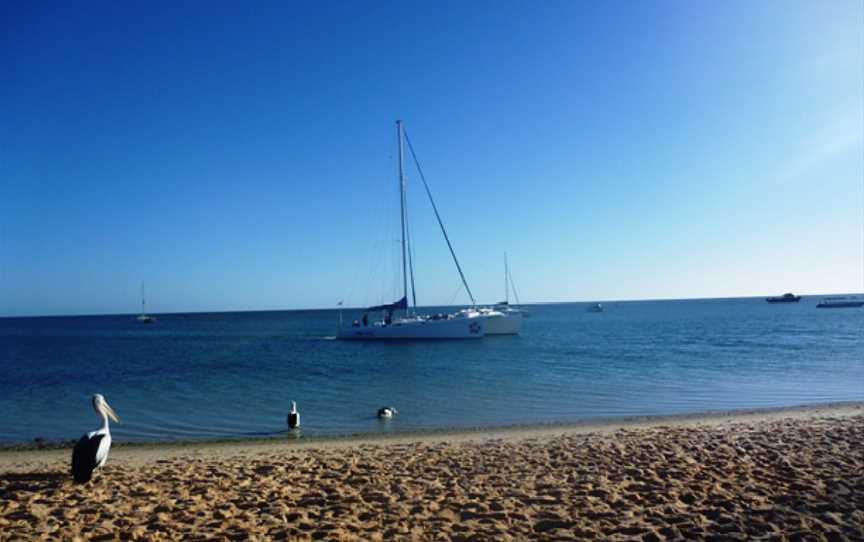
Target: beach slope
787 475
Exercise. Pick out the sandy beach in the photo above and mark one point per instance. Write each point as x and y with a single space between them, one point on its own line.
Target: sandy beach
790 474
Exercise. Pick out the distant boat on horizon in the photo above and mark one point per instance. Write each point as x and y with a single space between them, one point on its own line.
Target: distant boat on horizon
144 318
596 307
509 279
845 302
503 319
785 298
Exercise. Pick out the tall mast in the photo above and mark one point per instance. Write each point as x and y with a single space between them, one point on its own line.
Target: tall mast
143 309
506 284
402 210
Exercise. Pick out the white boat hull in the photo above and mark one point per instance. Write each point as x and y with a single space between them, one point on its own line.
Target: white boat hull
454 328
503 323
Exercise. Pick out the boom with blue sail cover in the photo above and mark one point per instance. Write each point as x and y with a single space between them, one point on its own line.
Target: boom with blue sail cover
401 304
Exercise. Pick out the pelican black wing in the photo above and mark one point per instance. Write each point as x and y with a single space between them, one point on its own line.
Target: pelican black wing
84 457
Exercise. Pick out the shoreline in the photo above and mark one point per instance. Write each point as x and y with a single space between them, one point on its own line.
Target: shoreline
26 455
774 474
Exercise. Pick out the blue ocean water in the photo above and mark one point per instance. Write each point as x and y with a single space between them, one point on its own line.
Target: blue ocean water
204 376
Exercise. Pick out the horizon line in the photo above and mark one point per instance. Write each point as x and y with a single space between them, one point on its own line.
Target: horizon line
533 303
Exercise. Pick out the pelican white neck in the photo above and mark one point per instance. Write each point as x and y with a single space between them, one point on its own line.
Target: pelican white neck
101 406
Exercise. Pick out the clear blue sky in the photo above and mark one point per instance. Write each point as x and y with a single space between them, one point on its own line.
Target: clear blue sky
240 155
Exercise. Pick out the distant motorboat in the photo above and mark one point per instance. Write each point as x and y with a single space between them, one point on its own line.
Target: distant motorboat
596 307
850 302
785 298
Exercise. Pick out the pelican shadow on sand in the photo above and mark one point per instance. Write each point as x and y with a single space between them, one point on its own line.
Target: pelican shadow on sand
17 482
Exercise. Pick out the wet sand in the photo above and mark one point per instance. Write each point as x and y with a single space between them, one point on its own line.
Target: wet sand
791 474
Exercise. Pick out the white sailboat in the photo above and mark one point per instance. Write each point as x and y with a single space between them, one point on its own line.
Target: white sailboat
503 319
144 318
399 319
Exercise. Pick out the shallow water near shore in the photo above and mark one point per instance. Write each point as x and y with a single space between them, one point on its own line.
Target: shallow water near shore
220 375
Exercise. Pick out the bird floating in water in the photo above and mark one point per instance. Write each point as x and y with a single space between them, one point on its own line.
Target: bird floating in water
293 416
387 412
91 452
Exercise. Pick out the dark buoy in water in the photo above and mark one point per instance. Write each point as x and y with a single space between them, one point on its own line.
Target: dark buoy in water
387 412
293 416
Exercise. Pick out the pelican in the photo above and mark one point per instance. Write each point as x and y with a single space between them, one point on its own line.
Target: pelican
293 416
387 412
91 452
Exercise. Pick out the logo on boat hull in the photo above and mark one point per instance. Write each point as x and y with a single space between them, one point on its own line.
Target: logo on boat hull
474 328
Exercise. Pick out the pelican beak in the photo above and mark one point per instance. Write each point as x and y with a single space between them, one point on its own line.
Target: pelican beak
110 412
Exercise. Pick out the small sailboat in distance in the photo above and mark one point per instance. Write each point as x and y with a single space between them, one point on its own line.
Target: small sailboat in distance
144 318
503 318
